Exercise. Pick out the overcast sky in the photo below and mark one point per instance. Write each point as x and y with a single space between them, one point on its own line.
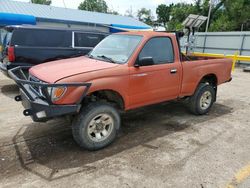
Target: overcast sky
118 5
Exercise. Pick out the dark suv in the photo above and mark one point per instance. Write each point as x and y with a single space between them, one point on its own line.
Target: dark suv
30 45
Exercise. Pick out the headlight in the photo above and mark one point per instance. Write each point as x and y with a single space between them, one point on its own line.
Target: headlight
56 92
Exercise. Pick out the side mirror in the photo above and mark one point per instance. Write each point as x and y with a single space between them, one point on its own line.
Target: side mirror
145 61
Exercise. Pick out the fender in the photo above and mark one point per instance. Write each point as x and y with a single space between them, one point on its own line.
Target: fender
118 84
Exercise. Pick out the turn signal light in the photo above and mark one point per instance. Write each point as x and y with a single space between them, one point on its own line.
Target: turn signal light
56 92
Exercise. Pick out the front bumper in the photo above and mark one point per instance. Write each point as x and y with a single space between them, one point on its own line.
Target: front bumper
40 108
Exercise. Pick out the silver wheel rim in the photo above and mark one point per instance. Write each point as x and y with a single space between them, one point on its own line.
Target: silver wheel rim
206 100
100 127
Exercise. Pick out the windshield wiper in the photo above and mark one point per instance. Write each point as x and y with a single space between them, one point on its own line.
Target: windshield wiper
106 58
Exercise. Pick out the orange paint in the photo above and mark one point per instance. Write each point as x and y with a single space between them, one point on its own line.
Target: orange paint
138 86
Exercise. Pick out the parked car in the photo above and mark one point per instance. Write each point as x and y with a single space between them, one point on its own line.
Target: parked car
29 45
123 72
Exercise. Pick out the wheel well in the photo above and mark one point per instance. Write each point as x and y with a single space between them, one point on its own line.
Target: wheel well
109 96
211 79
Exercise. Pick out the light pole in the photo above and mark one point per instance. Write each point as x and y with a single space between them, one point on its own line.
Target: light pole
209 15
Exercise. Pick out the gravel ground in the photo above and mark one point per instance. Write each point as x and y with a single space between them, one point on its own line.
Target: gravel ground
158 146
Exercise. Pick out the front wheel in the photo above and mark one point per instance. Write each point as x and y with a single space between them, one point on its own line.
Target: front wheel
202 100
96 126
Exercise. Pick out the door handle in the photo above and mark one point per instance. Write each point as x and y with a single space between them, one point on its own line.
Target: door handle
173 71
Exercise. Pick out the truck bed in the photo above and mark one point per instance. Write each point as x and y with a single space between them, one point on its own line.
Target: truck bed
196 67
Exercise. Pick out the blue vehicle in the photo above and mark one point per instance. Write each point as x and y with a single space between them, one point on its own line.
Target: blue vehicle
32 45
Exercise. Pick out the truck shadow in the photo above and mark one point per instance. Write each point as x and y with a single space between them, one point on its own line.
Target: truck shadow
56 155
9 90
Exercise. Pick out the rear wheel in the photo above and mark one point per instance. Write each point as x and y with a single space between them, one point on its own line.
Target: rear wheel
202 100
96 126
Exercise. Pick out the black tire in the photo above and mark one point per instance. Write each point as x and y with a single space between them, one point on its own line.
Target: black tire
194 103
81 123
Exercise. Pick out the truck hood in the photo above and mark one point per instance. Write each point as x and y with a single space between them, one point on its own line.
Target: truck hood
56 70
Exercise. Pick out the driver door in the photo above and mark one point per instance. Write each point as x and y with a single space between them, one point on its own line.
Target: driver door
158 82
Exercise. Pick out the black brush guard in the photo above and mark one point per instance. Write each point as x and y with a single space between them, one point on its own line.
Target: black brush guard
39 105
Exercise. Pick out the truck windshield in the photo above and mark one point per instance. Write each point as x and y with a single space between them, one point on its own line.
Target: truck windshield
116 48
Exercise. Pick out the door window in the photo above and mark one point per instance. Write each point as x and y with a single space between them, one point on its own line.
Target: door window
160 49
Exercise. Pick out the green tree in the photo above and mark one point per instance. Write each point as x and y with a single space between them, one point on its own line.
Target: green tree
222 23
43 2
231 16
94 5
178 14
202 8
145 16
163 13
226 15
179 11
238 12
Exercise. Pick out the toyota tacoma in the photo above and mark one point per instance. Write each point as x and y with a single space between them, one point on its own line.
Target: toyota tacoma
123 72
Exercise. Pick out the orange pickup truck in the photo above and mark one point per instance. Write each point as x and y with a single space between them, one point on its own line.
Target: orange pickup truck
123 72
